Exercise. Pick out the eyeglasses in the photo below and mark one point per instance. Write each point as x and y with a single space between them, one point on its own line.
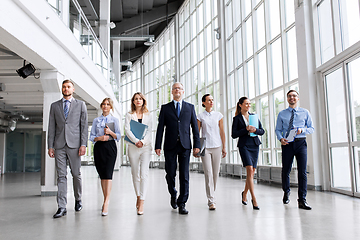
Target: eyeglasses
290 96
177 88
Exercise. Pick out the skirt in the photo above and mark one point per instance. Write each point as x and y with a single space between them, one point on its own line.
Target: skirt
104 158
249 154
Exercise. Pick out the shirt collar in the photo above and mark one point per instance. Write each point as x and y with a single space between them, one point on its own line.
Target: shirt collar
290 109
208 113
177 102
63 99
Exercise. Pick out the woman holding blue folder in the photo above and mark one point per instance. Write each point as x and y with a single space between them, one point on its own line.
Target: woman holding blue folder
248 144
139 150
104 131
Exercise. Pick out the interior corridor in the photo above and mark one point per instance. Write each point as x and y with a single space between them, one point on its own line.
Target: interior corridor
26 215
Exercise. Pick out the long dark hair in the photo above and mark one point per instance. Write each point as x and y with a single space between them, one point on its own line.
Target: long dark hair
203 99
238 108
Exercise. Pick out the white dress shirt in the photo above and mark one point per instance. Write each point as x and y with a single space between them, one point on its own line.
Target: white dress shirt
210 128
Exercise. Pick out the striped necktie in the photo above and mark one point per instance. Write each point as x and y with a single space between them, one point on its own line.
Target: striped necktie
66 108
290 123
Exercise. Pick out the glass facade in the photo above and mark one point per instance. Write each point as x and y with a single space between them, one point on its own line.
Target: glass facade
264 47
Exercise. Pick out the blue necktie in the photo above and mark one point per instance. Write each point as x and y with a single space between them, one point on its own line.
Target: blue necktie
290 123
66 108
178 109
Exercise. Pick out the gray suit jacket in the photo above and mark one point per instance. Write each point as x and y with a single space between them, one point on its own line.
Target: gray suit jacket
72 131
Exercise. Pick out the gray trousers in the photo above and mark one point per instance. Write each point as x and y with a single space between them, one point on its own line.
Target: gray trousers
211 165
62 156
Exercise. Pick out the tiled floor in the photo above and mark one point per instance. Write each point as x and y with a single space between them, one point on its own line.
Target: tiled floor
26 215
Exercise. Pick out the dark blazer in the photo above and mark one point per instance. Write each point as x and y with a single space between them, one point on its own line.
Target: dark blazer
239 131
168 119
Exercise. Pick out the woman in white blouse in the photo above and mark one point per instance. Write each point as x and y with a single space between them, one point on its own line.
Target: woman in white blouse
212 126
105 150
139 153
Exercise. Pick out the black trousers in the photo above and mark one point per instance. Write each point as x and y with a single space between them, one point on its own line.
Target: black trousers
299 150
182 156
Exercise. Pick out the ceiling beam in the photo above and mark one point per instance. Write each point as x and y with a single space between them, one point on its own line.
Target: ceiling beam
146 19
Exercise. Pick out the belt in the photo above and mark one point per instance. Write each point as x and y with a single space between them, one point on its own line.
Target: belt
299 139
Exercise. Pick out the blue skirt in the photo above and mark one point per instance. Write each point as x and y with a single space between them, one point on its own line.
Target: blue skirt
249 154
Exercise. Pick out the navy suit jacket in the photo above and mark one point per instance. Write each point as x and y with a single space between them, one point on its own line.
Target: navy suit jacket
175 126
239 131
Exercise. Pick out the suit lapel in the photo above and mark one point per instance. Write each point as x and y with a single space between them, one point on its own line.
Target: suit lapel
182 108
61 108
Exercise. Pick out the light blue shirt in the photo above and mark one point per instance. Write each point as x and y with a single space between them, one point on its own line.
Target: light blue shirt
97 129
302 120
175 102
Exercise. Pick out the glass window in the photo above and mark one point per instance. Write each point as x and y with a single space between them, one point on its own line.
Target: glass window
246 6
260 27
341 176
201 45
230 55
265 121
350 22
291 54
274 12
336 106
239 84
354 85
200 20
230 91
236 13
193 25
250 79
325 31
262 72
279 105
238 47
229 18
248 38
208 16
276 64
289 13
209 36
194 51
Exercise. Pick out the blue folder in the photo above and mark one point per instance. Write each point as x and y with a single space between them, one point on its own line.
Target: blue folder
254 121
138 129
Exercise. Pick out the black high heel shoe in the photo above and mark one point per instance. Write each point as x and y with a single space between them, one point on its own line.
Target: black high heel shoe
242 197
254 207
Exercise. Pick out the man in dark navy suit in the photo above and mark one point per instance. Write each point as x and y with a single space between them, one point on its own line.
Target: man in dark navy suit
177 116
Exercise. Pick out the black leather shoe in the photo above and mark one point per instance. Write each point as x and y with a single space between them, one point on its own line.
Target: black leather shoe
286 198
242 197
182 210
78 206
304 205
60 212
173 203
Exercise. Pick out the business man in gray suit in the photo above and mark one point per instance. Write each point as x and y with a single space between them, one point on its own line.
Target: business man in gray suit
67 141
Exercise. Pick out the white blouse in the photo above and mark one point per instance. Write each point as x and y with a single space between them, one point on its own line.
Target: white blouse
210 128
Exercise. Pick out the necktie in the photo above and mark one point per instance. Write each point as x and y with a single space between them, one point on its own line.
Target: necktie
66 108
178 109
290 123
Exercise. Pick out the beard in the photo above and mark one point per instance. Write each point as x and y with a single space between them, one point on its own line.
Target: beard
67 95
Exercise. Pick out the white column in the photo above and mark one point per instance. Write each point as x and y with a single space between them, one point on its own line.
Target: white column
307 88
51 83
116 61
104 29
2 152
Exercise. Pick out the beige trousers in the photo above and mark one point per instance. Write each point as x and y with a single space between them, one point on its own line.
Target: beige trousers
139 161
211 166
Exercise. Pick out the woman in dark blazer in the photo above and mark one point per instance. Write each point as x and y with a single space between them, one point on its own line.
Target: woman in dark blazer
248 146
